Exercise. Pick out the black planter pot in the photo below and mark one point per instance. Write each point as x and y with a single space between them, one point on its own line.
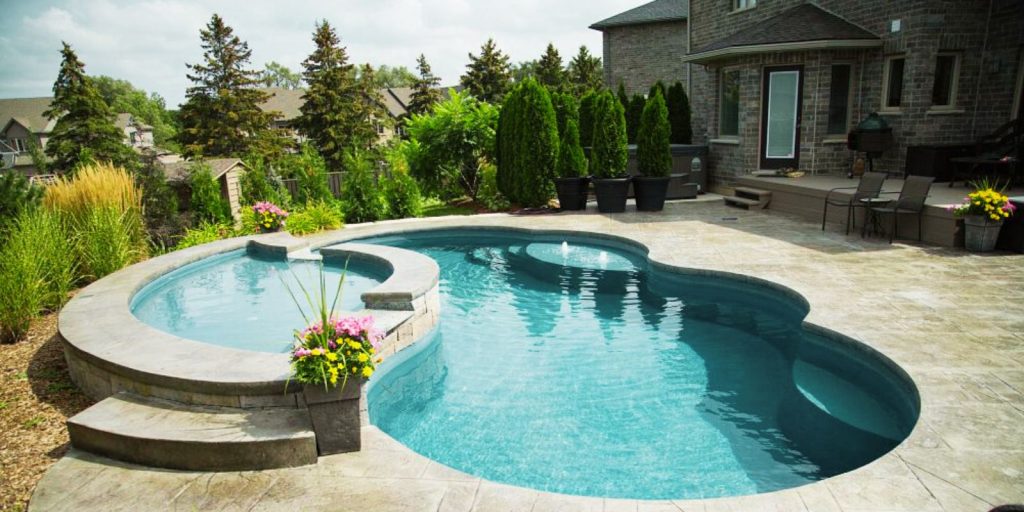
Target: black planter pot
335 416
611 194
572 192
650 192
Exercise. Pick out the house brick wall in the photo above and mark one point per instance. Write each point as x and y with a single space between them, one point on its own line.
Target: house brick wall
640 55
988 36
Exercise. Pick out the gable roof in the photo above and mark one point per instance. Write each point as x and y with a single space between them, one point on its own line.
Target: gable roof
651 12
285 101
396 100
179 171
804 27
28 112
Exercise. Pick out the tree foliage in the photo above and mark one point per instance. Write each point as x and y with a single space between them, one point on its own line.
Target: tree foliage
17 195
609 153
150 109
362 198
488 76
207 203
523 70
585 72
309 169
275 74
571 160
85 129
425 91
221 115
634 110
527 145
446 146
654 157
394 76
550 72
679 114
566 107
588 106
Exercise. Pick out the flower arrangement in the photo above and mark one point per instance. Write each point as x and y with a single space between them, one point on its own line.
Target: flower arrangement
269 216
987 202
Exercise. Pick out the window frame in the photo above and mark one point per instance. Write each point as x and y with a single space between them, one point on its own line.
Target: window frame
886 71
20 145
721 102
742 5
849 98
954 86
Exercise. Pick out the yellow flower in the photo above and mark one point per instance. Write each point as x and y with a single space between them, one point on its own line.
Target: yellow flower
355 344
316 352
363 357
334 379
331 356
367 371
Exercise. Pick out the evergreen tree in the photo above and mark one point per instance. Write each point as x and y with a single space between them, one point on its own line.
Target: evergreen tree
622 96
609 154
221 115
488 76
206 202
585 72
523 70
566 107
550 73
634 110
679 114
658 87
528 145
369 112
425 91
571 161
588 103
654 157
329 111
85 129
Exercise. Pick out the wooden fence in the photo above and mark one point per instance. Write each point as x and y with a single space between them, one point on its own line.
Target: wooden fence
333 182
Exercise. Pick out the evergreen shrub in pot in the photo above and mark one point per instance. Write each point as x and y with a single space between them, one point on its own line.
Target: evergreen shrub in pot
571 183
609 155
654 156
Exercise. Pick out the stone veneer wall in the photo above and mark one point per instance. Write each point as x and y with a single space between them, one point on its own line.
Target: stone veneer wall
987 78
640 55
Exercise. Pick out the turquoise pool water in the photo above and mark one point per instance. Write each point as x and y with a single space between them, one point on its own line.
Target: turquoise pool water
574 368
240 301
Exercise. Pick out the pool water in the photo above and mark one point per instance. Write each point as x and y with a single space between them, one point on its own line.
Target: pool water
574 368
241 301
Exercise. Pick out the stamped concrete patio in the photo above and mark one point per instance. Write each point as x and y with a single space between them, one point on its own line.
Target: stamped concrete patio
954 321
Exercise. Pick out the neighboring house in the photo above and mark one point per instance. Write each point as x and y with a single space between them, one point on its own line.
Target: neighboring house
22 121
780 83
227 172
287 102
643 45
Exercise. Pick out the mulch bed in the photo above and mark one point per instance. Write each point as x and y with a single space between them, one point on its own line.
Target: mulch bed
36 397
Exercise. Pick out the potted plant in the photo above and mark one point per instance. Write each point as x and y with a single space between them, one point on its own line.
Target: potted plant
654 156
572 184
269 217
332 358
983 212
609 155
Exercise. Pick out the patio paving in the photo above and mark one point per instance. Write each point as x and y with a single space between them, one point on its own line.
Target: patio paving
953 320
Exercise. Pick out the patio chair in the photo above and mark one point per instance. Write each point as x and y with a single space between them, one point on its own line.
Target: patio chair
869 187
911 200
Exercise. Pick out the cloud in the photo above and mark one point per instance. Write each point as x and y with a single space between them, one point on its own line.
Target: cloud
149 42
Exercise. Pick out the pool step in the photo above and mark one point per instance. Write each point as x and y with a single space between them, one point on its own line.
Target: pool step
749 198
167 434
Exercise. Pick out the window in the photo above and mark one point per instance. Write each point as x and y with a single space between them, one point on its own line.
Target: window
839 99
947 67
19 145
892 93
380 129
743 4
729 104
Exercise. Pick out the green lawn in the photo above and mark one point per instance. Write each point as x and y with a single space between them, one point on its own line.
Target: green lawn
434 207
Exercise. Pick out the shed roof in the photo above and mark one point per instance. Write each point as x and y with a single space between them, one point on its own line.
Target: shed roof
651 12
178 171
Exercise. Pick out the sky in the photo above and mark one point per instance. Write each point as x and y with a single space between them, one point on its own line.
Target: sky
149 42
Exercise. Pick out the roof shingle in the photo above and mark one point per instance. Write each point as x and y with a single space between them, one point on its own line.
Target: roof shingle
651 12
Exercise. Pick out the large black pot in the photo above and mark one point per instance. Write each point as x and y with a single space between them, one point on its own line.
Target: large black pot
650 192
611 194
572 192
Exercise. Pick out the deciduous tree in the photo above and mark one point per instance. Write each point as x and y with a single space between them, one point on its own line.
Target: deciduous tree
279 75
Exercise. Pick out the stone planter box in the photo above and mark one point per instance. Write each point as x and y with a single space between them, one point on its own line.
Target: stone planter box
334 413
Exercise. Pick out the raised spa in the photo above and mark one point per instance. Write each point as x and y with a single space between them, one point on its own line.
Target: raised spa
570 366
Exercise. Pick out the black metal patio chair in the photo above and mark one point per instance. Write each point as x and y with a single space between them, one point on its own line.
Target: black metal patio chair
911 201
869 187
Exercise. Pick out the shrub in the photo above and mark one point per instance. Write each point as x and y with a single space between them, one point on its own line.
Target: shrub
528 142
571 161
259 183
609 153
402 195
207 203
489 195
103 242
37 270
588 104
566 107
17 194
163 219
363 200
318 216
634 110
205 233
309 170
679 114
654 157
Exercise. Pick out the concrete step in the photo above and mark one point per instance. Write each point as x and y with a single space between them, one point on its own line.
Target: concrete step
751 193
162 433
740 202
746 197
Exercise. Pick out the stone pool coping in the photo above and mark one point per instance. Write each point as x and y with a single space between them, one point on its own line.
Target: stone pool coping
925 308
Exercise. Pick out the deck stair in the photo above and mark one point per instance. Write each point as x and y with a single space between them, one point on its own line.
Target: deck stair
749 198
167 434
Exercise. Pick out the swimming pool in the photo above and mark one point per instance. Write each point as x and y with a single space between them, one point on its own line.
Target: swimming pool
575 368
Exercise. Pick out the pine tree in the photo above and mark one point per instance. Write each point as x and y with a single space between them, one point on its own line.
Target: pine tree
221 115
425 89
369 112
528 145
634 110
609 153
488 76
85 127
679 114
329 109
549 72
654 157
585 72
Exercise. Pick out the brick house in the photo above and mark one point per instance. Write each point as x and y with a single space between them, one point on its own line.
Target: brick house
779 83
643 45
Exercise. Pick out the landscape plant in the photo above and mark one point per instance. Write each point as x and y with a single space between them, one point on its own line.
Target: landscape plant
206 232
425 90
587 111
362 197
654 156
489 76
634 111
987 201
679 114
527 145
314 217
206 202
401 195
17 194
584 72
489 195
609 153
269 216
571 161
104 242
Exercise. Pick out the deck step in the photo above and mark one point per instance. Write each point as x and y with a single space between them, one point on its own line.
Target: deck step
748 198
166 434
751 193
